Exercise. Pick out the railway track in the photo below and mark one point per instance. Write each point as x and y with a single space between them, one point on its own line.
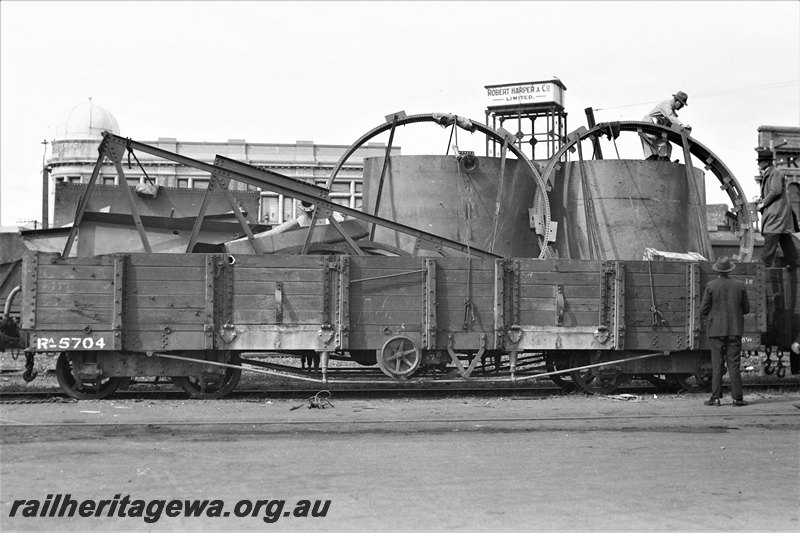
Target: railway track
542 390
263 394
778 418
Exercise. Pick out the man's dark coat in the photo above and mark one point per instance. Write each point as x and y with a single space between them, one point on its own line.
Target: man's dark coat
725 303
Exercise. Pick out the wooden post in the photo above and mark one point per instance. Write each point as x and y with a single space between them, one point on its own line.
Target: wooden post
598 153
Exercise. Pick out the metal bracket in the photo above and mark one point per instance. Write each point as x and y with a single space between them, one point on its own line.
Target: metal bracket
30 277
692 305
209 323
619 305
465 373
343 304
278 302
117 321
560 304
601 334
228 333
326 335
499 300
429 325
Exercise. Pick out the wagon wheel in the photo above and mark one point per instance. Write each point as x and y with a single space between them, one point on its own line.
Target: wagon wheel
584 376
562 380
399 357
666 382
691 382
94 389
211 387
656 380
588 382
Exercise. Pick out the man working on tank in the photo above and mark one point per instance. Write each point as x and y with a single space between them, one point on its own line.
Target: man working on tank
724 304
777 223
656 147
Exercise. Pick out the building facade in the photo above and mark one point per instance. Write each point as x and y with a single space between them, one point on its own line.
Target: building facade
73 156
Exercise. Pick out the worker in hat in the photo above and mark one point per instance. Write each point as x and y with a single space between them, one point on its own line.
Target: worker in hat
777 222
723 306
656 147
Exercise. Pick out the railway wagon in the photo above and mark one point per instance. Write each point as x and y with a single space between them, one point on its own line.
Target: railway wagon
452 306
198 317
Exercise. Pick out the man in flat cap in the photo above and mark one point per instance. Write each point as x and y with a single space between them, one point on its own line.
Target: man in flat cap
777 222
724 305
656 147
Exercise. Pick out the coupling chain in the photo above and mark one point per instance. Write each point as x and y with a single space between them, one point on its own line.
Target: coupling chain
780 367
319 401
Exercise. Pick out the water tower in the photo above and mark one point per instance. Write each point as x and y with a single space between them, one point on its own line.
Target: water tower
531 111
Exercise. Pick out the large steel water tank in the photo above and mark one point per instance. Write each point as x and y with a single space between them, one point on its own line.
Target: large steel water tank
637 205
455 199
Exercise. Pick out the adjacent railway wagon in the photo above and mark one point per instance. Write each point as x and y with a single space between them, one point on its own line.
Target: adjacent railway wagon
455 268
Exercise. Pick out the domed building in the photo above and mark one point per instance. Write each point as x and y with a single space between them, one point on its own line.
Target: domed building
74 155
88 121
77 140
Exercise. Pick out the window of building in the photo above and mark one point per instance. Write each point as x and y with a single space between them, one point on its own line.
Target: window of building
192 183
348 194
277 208
340 186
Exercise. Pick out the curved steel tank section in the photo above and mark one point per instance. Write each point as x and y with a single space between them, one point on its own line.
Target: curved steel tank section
746 217
456 199
637 205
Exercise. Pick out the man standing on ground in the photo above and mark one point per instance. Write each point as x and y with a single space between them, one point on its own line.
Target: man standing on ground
724 304
777 223
656 147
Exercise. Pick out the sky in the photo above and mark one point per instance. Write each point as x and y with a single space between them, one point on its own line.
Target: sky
278 72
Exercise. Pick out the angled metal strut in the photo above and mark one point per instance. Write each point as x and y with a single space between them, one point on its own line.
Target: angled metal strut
225 168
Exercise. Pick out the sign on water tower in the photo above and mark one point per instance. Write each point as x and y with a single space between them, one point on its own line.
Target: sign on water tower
533 112
533 93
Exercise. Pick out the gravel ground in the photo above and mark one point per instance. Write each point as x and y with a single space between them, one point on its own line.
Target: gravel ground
653 462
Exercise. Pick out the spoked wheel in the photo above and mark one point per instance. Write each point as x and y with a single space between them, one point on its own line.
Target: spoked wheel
590 383
94 389
211 386
657 380
603 385
691 382
562 380
661 381
399 357
664 382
